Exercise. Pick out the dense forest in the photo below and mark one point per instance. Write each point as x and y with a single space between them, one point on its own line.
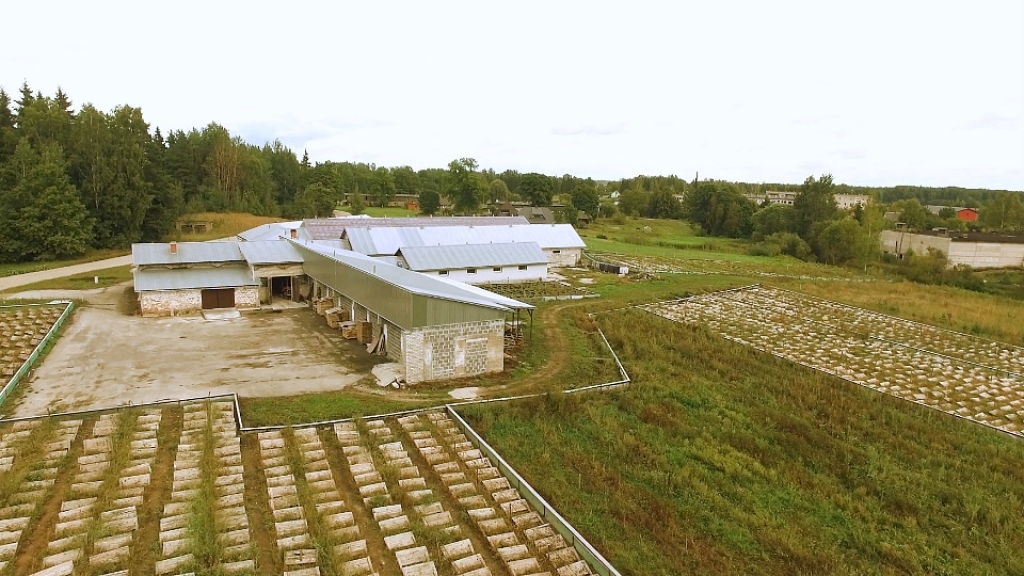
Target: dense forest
72 180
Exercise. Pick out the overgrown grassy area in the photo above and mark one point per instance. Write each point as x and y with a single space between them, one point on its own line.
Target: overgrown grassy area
225 224
84 281
319 407
724 460
984 315
388 212
91 256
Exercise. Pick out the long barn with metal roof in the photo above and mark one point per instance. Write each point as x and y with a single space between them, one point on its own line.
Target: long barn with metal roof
560 243
436 327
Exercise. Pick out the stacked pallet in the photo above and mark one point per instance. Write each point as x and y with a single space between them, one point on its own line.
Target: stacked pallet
321 305
336 316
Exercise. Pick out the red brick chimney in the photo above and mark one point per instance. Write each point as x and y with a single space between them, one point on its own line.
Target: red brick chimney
174 247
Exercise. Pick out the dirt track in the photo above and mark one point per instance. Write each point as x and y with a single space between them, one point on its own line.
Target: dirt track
8 282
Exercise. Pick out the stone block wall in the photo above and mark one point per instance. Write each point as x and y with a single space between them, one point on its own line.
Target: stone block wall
453 350
247 297
170 302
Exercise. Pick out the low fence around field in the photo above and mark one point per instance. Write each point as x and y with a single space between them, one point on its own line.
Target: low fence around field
51 334
586 551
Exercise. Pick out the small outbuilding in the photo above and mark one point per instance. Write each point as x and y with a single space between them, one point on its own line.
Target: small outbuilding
180 278
277 266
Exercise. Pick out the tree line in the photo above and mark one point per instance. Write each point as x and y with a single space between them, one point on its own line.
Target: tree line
74 180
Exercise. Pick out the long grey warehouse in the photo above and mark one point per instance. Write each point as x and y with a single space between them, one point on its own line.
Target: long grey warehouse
437 329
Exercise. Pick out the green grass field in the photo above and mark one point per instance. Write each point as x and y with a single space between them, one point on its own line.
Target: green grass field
389 212
26 267
84 281
723 460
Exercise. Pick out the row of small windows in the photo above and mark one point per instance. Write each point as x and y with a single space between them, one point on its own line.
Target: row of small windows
473 270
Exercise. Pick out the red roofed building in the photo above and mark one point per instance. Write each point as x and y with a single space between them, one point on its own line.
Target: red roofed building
967 214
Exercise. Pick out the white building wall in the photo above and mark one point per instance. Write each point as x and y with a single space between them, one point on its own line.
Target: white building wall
973 254
564 257
987 254
505 275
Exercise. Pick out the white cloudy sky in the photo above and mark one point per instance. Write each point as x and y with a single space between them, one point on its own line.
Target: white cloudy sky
876 93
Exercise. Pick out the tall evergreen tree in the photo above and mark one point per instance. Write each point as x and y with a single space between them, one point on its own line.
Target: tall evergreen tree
8 137
41 216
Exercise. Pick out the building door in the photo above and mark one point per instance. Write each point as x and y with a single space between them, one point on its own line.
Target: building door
218 298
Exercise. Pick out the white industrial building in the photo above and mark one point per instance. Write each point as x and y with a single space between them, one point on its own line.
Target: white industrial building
506 263
560 243
974 249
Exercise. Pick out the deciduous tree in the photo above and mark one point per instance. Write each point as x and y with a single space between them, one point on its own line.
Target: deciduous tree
465 186
537 188
814 203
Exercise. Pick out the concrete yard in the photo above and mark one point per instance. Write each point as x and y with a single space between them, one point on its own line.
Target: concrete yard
107 358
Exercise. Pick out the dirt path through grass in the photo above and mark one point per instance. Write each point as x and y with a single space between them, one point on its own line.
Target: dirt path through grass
32 277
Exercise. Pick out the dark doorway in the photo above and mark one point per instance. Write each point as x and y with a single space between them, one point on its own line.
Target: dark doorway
218 298
281 287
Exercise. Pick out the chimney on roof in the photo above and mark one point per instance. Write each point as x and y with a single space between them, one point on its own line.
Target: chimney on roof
294 233
174 247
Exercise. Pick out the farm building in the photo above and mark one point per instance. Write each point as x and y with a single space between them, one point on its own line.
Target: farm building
333 228
187 277
964 214
479 263
559 242
974 249
277 266
437 329
274 231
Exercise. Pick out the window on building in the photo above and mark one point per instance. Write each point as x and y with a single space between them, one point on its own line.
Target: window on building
471 271
522 267
442 272
497 269
556 251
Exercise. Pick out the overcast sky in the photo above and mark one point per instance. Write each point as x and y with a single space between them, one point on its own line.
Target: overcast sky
926 93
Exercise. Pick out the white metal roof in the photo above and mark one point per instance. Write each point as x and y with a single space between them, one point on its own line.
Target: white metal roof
159 253
418 283
463 256
333 228
274 231
186 278
381 241
270 252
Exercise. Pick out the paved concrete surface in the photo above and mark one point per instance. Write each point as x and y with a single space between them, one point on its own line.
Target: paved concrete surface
9 282
107 358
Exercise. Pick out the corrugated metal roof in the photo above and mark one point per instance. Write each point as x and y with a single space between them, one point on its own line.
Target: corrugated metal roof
274 231
188 253
270 252
360 240
414 281
461 256
333 228
377 241
185 278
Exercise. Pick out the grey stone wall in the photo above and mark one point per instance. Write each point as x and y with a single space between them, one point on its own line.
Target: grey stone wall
153 303
453 351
